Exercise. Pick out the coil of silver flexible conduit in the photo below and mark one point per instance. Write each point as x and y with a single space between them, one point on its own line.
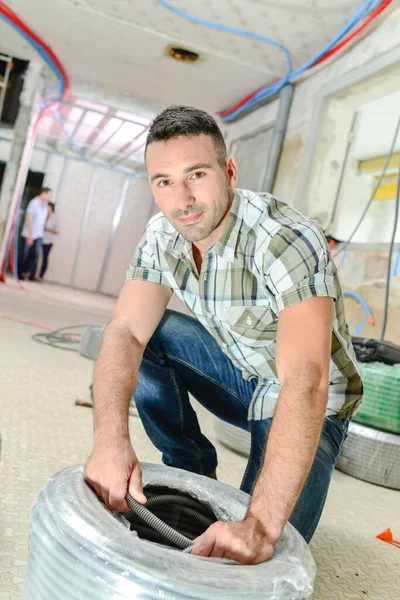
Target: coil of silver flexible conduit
371 455
78 550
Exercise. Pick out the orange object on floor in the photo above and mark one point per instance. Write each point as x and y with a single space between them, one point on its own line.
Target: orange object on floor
387 536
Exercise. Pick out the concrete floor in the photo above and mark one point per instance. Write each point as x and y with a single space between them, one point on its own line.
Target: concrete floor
43 431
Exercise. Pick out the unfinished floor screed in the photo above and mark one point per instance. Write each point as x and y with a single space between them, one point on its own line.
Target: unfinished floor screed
43 432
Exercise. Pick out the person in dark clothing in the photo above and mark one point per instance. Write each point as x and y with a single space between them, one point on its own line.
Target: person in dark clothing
50 231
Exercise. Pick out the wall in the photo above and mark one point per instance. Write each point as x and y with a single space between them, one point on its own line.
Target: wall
289 186
249 140
101 212
374 127
313 191
364 272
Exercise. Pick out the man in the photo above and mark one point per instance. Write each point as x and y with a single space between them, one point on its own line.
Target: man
268 339
50 233
32 233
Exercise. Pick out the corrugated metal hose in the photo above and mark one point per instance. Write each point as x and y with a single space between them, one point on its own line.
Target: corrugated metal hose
169 518
78 549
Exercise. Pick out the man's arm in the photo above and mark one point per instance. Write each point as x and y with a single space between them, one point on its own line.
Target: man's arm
302 359
29 224
112 467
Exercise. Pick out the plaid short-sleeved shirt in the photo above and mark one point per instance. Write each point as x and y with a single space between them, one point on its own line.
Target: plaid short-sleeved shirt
268 258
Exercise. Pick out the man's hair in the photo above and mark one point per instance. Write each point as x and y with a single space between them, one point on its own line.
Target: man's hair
45 190
53 206
176 121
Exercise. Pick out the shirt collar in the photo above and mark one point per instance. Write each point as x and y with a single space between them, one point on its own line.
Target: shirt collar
226 245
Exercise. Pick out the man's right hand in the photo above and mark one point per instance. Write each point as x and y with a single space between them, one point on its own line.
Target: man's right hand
112 470
29 241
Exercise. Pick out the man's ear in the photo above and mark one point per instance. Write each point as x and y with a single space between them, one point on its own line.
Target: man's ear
231 170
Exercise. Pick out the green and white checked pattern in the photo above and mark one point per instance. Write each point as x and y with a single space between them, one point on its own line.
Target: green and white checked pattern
268 258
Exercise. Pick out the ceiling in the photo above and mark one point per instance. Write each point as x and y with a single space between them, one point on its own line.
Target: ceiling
119 45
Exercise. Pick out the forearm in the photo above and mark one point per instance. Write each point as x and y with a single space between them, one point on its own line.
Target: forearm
115 380
29 220
292 444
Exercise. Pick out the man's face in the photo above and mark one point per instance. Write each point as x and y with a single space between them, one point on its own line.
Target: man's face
48 196
189 185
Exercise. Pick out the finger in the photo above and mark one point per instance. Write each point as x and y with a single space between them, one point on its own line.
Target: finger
204 544
94 486
136 487
116 499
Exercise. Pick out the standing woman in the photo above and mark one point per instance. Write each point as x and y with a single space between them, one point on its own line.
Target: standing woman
50 231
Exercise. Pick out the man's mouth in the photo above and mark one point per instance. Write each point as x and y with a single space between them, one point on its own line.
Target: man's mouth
190 219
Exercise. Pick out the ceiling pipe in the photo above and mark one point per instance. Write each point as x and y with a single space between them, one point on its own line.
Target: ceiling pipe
285 102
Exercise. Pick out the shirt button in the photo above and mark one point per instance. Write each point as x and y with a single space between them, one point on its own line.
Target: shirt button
205 276
224 345
249 321
209 315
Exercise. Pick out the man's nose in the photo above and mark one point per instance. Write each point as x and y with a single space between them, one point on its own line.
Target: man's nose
183 197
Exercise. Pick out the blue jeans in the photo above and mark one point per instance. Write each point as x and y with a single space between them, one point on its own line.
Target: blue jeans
182 358
30 257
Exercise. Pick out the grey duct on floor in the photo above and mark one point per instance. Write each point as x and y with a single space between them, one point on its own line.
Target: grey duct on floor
91 341
78 549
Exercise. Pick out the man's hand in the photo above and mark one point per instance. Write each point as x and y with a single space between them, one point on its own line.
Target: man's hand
112 470
245 542
29 241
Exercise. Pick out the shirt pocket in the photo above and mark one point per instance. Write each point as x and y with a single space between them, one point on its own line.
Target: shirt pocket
252 325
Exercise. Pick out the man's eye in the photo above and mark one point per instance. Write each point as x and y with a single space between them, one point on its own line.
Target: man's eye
198 175
163 183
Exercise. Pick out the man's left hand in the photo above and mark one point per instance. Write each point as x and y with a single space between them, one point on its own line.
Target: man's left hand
245 542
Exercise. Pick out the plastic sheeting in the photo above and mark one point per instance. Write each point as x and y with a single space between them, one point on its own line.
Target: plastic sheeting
370 350
380 407
78 549
371 455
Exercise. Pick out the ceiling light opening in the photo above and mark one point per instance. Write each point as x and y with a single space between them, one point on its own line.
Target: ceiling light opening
182 54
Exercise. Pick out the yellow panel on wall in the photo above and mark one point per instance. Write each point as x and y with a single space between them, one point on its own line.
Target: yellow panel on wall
377 164
387 189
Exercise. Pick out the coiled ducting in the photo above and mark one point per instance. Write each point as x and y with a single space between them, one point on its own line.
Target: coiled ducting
233 437
79 550
371 455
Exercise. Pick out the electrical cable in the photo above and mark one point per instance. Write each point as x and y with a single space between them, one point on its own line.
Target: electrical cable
79 549
343 248
353 34
237 31
268 91
389 267
42 48
58 338
368 314
369 10
26 322
63 87
397 263
190 516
